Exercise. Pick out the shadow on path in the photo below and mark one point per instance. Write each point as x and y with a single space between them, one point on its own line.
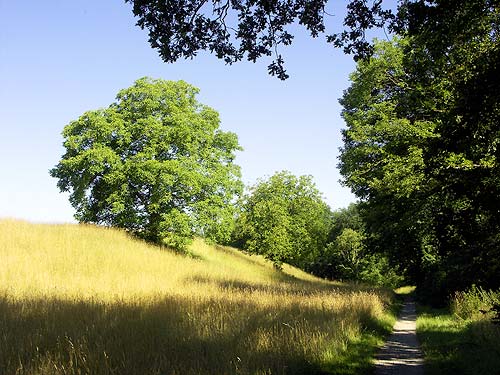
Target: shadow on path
401 354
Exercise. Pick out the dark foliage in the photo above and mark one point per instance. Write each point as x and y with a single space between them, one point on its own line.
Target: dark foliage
236 29
441 219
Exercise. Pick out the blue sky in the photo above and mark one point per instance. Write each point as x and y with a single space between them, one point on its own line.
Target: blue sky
59 59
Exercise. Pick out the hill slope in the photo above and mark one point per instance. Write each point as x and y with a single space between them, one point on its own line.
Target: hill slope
83 299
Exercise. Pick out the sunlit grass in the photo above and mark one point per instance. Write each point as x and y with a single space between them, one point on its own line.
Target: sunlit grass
405 290
78 299
453 345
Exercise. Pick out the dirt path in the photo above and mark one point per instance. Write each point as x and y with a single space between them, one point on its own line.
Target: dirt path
401 354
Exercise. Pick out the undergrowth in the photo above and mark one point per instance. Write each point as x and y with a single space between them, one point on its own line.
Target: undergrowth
462 339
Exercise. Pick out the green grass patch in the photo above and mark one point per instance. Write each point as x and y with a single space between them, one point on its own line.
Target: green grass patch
455 346
357 357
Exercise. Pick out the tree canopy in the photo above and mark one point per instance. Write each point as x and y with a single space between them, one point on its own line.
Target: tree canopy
382 157
155 163
233 30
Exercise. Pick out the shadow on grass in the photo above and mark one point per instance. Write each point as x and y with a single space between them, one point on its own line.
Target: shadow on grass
240 254
171 336
284 285
356 358
457 347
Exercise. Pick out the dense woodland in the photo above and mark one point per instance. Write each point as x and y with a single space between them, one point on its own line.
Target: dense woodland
420 150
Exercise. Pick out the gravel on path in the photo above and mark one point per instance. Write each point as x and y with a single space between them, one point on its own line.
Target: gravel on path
401 354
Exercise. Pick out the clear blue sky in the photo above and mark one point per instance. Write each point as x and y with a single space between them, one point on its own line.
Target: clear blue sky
59 59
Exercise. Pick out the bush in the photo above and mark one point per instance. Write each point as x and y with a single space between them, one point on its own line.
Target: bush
476 303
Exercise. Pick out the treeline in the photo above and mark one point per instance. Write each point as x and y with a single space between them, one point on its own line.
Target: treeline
156 164
285 219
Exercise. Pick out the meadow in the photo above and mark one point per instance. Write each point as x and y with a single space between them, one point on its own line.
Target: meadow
80 299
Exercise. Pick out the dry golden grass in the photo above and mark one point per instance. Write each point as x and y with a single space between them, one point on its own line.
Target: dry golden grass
78 299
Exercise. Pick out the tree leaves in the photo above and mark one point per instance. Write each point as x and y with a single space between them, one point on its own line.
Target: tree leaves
155 163
420 147
251 29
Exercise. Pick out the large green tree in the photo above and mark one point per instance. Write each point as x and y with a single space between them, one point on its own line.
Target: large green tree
420 147
155 163
382 158
285 219
453 60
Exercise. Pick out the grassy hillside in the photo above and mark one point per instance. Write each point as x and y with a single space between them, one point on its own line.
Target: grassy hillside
79 299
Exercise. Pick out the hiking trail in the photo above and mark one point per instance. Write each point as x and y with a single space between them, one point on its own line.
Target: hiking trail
401 354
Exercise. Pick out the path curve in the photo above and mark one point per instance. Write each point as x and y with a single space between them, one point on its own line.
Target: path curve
401 354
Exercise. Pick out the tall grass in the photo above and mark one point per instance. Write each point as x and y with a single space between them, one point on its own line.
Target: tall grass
78 299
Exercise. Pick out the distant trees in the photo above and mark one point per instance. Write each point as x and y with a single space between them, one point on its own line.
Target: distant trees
284 219
348 254
155 163
346 218
344 246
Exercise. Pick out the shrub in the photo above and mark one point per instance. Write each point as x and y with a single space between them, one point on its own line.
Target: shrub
475 303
